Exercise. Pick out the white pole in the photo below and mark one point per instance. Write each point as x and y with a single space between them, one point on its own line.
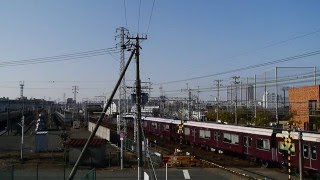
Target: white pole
22 136
121 154
166 171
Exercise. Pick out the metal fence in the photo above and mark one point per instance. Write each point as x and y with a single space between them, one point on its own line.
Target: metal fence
91 175
43 171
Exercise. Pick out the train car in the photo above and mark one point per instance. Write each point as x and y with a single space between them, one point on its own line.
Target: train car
254 142
261 144
310 148
161 127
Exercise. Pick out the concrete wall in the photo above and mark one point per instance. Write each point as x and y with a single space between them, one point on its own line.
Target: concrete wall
12 143
95 156
102 132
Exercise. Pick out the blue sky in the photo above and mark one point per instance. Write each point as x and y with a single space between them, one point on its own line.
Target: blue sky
185 39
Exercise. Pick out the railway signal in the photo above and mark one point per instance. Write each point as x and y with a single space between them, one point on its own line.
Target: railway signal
287 144
180 128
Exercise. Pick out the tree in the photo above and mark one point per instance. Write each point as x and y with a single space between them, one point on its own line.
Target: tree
264 117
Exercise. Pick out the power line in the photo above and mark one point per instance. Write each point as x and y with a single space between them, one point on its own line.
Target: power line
273 44
150 16
313 53
58 58
125 12
139 16
284 81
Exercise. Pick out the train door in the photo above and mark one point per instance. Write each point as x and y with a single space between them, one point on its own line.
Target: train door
274 147
247 142
216 136
310 155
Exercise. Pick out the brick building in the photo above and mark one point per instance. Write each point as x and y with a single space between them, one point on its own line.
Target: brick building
305 102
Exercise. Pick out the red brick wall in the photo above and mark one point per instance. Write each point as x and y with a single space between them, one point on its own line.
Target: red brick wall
299 98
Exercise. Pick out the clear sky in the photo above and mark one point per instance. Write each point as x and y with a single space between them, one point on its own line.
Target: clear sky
186 38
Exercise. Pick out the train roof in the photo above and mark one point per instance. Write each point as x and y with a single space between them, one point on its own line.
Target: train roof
233 128
306 136
155 119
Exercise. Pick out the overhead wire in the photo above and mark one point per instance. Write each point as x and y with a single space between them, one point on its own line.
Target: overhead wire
57 58
125 12
150 16
139 16
300 56
285 80
274 44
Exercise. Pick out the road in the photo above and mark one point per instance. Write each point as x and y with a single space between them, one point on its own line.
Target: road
127 174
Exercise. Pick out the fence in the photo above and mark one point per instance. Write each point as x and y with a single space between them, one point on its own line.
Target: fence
43 171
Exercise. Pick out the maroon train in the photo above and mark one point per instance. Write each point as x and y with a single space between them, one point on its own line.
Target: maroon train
263 144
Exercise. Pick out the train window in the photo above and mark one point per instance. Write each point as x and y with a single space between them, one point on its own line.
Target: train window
145 124
227 137
234 139
204 134
247 141
305 151
166 127
313 152
231 138
186 131
207 134
154 125
263 144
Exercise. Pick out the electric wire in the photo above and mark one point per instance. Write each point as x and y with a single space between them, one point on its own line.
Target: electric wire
150 16
300 56
274 44
58 58
281 81
125 12
139 16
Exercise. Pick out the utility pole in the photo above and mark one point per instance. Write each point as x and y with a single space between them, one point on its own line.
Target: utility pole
138 104
315 75
284 95
218 98
8 117
300 155
255 96
121 122
241 93
74 110
236 78
189 100
247 93
276 86
102 115
198 104
22 138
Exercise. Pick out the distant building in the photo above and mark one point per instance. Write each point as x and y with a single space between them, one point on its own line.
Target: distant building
269 100
304 101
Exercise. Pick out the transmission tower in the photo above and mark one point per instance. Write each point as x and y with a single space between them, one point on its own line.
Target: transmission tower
75 90
122 103
21 89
